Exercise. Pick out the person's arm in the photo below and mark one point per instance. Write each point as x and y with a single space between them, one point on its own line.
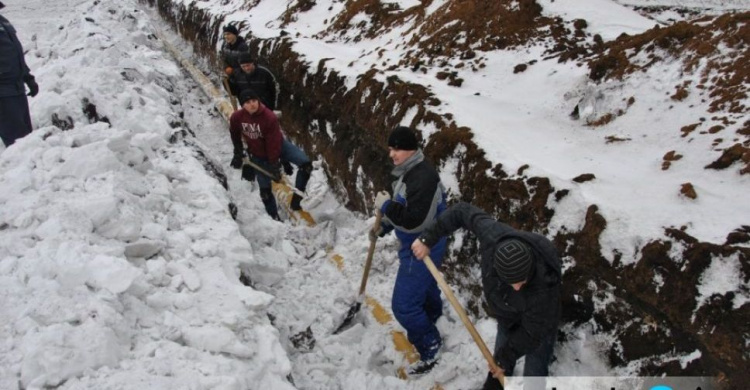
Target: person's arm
273 138
235 132
460 215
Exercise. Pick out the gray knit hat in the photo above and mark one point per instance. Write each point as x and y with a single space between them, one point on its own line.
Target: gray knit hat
512 260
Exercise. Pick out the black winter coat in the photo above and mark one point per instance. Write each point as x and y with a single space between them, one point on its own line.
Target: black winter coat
231 53
261 81
13 69
529 315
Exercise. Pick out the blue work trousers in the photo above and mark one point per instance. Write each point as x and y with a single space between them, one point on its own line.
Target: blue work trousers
416 300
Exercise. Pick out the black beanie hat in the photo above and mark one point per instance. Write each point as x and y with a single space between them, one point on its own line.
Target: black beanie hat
248 94
403 138
245 58
512 260
232 29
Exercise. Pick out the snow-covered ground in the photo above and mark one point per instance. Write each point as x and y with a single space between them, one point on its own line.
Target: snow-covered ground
120 262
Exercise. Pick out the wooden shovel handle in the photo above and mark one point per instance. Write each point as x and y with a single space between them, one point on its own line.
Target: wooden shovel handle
370 252
461 313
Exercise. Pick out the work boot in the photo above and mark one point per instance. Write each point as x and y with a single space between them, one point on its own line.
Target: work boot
295 205
422 367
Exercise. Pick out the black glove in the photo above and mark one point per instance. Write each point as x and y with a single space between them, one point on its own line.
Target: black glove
236 161
275 171
248 173
288 168
31 83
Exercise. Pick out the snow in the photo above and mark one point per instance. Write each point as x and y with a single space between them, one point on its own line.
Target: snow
599 16
120 261
724 275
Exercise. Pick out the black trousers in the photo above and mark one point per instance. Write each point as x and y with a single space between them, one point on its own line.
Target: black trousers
15 121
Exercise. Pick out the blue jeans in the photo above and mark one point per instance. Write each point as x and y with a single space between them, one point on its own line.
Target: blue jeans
416 300
537 361
291 153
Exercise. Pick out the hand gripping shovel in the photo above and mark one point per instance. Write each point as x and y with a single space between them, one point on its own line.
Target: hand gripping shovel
275 178
361 297
461 313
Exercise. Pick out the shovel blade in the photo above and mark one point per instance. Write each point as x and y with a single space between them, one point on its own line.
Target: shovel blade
349 317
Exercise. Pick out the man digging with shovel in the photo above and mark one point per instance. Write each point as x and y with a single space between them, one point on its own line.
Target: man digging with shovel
521 275
418 198
259 128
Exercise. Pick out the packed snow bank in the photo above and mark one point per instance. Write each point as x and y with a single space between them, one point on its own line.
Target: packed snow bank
119 260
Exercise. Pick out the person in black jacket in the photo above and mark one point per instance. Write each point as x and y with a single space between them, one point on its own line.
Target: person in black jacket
15 121
521 275
255 77
418 198
234 45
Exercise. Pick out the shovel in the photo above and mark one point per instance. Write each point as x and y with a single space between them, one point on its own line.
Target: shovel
275 178
461 313
361 297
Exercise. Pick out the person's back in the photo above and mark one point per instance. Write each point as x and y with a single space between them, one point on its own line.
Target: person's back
521 278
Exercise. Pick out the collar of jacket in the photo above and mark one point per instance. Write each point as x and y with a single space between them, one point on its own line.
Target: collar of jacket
410 162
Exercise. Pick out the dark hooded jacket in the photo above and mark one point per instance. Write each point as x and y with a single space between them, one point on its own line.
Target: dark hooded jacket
13 69
529 314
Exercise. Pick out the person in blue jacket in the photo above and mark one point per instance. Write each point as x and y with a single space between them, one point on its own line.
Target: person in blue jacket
15 121
418 198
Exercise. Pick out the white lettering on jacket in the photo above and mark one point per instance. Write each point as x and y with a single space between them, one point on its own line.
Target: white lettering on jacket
251 130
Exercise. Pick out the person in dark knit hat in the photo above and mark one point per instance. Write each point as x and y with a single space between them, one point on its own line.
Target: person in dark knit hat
255 77
267 147
233 47
521 276
232 29
402 138
418 198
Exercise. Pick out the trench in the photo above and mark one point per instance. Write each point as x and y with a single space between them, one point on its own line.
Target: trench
334 120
